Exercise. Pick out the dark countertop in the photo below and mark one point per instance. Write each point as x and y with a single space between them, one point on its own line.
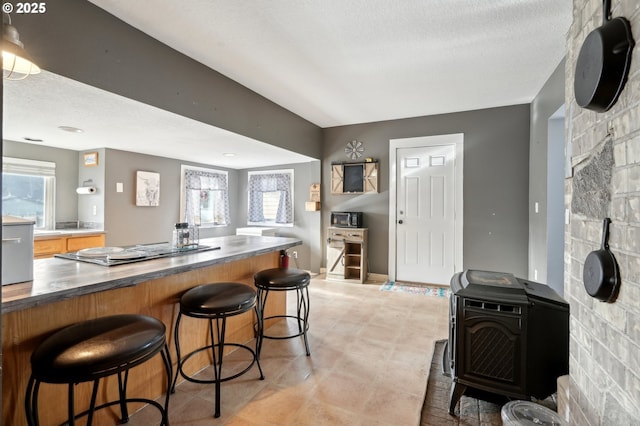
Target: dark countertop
57 279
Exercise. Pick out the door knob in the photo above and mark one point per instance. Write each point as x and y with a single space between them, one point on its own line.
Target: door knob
400 221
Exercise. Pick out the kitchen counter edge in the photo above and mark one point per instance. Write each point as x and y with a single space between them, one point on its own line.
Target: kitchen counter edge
62 233
58 279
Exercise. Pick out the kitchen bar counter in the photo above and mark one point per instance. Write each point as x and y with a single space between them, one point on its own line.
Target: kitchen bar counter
65 292
58 279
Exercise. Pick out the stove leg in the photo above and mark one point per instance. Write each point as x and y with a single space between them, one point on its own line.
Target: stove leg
456 392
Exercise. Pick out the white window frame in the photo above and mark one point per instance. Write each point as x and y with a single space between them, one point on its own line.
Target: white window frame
290 172
183 197
45 169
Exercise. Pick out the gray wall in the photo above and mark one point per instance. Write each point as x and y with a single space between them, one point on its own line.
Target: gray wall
545 104
496 179
307 224
91 207
66 173
555 203
128 224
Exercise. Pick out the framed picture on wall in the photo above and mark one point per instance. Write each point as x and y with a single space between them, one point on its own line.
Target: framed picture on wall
147 189
90 159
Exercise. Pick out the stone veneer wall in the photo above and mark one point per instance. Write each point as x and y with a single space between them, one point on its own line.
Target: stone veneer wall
603 387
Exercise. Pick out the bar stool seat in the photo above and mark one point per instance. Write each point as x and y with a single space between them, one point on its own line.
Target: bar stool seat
93 349
283 279
215 302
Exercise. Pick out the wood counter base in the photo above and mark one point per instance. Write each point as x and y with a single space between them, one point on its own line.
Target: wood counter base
23 330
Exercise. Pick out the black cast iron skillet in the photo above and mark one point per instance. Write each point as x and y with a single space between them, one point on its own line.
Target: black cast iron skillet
603 63
601 275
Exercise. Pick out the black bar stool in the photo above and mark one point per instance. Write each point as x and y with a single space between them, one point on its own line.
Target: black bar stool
217 302
284 279
93 349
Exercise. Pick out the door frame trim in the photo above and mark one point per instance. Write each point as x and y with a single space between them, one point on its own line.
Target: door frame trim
456 139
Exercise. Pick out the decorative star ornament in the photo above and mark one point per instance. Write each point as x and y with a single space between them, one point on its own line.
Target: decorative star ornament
354 150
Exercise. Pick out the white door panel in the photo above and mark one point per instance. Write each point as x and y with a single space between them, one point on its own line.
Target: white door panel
425 215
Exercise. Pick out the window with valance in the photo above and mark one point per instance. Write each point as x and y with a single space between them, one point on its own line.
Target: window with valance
206 196
271 198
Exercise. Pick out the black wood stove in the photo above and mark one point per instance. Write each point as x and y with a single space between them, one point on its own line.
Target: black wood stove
507 336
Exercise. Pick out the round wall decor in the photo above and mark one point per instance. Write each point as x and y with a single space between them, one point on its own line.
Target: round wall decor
354 150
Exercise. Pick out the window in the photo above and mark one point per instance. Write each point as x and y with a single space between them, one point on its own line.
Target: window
271 198
28 190
205 197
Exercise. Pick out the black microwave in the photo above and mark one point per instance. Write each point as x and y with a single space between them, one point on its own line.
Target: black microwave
347 219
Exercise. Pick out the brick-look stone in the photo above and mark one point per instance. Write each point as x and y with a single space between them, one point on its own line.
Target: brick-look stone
613 315
634 179
614 414
633 210
634 356
619 209
605 337
620 181
633 149
633 330
613 367
620 154
580 294
631 121
634 273
580 334
634 390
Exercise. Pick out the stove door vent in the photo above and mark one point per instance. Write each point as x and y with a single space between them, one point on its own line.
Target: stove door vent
492 353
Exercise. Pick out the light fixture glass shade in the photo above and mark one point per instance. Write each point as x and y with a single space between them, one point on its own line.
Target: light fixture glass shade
16 63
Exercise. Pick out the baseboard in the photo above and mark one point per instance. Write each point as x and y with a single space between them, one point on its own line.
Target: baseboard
371 278
376 278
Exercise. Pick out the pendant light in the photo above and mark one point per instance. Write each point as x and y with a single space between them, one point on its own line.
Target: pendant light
16 63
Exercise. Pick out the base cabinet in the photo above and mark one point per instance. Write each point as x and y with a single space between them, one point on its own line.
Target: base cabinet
347 254
48 247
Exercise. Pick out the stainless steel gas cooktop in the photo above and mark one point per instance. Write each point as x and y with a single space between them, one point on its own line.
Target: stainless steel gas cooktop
112 256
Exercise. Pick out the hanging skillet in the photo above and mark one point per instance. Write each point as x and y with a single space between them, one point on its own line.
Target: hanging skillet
601 275
603 63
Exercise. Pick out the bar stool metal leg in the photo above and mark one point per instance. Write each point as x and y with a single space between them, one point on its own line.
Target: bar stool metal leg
215 302
283 279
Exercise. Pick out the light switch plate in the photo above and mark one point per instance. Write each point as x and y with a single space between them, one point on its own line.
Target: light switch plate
119 187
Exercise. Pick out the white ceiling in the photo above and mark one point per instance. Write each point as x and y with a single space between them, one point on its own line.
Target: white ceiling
339 62
37 106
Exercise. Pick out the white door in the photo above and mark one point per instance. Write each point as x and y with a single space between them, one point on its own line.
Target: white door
425 214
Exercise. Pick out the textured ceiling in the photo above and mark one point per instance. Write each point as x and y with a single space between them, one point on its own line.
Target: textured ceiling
337 62
333 62
37 106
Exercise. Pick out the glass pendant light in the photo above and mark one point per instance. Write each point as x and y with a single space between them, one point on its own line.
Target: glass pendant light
16 63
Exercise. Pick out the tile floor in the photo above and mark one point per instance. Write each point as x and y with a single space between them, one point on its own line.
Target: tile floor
371 353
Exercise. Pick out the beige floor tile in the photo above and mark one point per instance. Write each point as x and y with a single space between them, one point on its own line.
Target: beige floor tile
369 364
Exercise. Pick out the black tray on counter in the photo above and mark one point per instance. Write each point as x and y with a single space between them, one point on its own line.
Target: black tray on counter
139 253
